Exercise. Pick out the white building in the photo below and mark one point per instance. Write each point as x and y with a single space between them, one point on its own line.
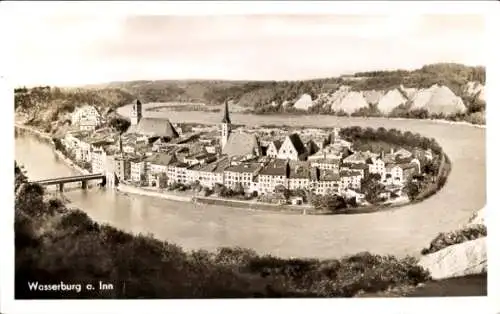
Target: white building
138 170
210 174
377 165
350 179
292 148
272 175
243 174
86 116
177 172
326 164
273 149
393 175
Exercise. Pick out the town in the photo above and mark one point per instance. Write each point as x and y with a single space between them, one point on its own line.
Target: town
273 165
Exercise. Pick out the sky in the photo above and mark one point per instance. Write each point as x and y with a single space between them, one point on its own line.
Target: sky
76 49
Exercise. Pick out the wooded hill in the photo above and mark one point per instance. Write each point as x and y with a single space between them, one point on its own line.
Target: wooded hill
259 93
43 105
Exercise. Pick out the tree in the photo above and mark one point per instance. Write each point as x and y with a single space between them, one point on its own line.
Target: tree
281 189
329 203
352 202
371 187
218 188
238 189
121 125
162 180
412 190
207 191
19 176
144 179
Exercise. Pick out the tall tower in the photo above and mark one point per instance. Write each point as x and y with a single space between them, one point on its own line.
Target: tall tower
136 114
225 126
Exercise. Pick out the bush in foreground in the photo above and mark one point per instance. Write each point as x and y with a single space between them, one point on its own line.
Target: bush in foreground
444 240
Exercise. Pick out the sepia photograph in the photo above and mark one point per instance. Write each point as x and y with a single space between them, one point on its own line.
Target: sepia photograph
246 155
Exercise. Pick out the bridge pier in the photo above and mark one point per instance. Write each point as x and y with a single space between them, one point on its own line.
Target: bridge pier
84 184
61 187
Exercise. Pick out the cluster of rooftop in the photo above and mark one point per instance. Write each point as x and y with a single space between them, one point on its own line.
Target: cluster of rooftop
258 161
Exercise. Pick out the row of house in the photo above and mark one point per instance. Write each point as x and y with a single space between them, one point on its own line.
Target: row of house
261 175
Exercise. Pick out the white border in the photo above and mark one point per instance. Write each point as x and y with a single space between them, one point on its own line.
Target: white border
11 10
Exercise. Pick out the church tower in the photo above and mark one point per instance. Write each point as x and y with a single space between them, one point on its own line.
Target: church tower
225 126
136 115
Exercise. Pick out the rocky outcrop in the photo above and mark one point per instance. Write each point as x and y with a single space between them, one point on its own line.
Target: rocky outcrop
351 102
409 93
477 218
373 96
458 260
475 89
391 100
305 102
439 100
335 100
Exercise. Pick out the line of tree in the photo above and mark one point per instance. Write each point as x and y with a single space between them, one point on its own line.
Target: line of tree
391 136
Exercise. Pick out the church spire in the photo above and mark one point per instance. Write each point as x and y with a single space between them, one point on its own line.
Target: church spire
225 118
225 126
120 143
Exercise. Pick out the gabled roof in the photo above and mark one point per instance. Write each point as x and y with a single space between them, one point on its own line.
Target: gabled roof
390 166
402 151
241 144
244 168
329 175
357 156
359 166
161 159
154 127
277 144
347 173
333 161
275 168
408 166
312 147
297 143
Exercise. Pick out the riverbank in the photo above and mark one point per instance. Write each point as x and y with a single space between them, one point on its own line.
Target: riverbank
47 137
128 189
442 121
254 205
246 118
33 131
249 205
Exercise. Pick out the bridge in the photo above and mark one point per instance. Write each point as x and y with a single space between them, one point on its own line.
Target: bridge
82 178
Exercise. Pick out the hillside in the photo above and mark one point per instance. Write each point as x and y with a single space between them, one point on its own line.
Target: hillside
44 106
254 94
444 90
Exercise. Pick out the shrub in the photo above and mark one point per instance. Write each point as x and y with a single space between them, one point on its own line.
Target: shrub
455 237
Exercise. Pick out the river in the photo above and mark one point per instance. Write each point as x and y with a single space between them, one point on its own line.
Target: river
400 231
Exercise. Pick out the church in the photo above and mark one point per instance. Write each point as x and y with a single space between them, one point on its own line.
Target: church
150 127
237 143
